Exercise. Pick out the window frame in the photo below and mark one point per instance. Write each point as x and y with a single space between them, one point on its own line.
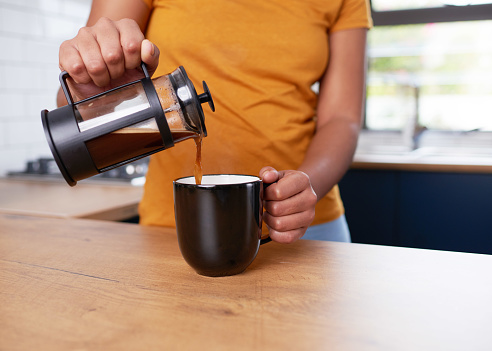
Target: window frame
447 13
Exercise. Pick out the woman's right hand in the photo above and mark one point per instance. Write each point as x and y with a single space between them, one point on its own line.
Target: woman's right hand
104 56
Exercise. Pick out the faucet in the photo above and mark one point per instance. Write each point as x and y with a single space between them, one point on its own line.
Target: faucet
412 130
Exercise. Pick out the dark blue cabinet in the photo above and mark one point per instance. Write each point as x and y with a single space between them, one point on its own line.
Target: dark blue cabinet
431 210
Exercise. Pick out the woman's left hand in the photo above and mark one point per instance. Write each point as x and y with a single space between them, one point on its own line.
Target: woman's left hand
289 203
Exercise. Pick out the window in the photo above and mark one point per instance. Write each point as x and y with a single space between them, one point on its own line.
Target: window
430 65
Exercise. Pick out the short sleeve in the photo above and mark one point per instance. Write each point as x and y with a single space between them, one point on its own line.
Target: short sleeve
149 3
353 14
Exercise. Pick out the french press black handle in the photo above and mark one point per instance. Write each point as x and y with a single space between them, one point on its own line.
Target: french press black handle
63 82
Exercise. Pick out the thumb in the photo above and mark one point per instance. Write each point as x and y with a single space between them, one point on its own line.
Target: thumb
150 55
269 175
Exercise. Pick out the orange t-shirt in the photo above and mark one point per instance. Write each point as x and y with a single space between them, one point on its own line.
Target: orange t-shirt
259 59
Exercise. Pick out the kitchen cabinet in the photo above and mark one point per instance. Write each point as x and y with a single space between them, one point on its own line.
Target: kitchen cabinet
431 210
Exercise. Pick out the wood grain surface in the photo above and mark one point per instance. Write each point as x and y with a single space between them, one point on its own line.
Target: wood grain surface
97 285
47 198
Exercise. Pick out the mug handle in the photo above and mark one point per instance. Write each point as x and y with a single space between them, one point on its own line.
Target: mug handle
266 238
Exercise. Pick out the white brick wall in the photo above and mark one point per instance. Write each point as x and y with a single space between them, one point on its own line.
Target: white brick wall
31 32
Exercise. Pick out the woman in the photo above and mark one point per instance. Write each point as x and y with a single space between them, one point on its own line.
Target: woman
260 59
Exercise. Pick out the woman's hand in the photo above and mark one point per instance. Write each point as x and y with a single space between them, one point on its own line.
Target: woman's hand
106 55
289 203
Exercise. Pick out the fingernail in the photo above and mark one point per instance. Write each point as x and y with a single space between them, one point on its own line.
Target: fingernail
152 48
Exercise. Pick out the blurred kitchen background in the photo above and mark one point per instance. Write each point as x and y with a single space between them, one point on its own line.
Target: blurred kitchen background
422 173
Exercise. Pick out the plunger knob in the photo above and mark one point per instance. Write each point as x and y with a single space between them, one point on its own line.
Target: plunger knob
206 97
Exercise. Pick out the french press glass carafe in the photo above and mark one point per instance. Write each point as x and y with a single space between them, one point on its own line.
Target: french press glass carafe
121 125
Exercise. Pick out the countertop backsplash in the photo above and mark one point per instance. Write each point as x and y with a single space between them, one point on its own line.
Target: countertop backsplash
31 32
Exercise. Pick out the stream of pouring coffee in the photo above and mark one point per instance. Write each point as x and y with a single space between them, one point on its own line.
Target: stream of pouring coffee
198 160
171 107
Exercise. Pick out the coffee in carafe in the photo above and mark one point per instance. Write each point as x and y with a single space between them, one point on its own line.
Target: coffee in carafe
121 125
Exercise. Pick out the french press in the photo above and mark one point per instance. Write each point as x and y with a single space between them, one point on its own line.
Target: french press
121 125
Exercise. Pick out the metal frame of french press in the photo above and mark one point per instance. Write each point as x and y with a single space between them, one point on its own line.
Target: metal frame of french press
70 141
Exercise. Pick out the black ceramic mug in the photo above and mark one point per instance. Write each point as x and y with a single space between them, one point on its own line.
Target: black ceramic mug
219 222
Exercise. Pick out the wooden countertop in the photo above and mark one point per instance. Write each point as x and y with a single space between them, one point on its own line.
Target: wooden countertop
52 198
98 285
435 163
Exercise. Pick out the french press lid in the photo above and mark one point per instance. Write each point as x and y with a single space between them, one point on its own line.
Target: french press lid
190 101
